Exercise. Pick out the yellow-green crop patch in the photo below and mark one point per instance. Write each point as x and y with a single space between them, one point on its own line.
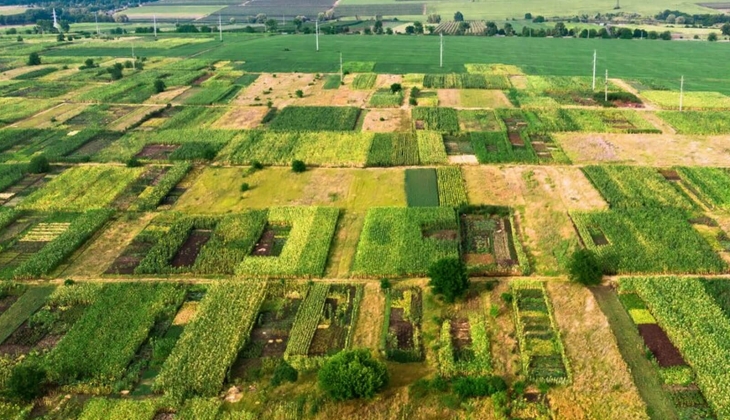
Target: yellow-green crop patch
82 188
691 100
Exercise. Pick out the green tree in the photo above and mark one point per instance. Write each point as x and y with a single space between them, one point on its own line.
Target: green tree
396 87
159 85
584 268
726 29
448 278
38 165
458 17
712 37
34 59
298 166
353 374
271 25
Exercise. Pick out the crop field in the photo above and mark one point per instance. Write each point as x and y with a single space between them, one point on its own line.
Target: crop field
209 233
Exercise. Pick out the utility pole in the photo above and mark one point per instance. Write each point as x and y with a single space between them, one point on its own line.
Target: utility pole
220 28
681 93
316 31
441 55
594 69
154 24
605 85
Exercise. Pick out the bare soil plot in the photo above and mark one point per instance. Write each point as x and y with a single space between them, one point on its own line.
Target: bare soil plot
387 120
278 88
133 118
370 317
157 151
385 80
519 82
241 118
344 96
167 96
660 345
646 149
602 386
450 98
190 249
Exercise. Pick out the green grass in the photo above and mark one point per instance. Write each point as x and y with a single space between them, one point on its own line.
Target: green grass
316 118
539 56
422 187
695 122
22 309
332 81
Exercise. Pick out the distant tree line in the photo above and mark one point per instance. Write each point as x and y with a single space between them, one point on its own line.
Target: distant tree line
39 16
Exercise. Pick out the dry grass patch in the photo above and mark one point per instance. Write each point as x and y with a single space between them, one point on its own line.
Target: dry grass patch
647 149
98 256
386 120
132 118
59 114
385 80
480 98
241 118
167 96
370 318
449 98
279 88
602 387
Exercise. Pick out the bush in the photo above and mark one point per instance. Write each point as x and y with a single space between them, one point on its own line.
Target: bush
353 374
159 85
256 165
396 87
284 372
298 166
448 278
483 386
26 382
34 59
584 268
245 187
38 165
299 93
385 284
133 162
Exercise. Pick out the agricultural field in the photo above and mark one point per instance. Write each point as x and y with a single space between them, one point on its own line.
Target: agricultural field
222 230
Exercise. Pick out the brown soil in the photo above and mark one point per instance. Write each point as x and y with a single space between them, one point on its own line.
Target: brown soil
478 259
393 120
449 97
516 139
420 125
164 416
130 258
265 247
189 251
670 174
157 151
661 347
173 196
403 329
241 118
460 333
202 79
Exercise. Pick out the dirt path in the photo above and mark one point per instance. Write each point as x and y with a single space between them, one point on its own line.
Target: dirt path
631 347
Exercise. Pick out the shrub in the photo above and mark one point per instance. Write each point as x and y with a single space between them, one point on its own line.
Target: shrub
26 382
584 268
353 374
245 187
385 284
448 278
299 93
483 386
133 162
298 166
284 372
256 165
396 87
34 59
159 85
38 165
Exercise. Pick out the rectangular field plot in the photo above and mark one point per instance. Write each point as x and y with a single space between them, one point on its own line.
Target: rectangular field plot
34 245
422 187
464 347
405 241
291 242
315 118
541 349
685 308
184 144
401 337
55 145
443 120
592 121
696 122
633 186
710 185
314 148
489 243
648 240
82 188
691 100
465 81
15 109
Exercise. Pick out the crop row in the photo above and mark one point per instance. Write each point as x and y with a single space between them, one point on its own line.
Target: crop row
647 240
444 120
393 149
696 122
431 148
306 320
101 344
320 118
208 347
154 194
451 187
393 241
384 98
635 186
364 81
51 255
541 349
697 326
712 184
593 121
465 81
